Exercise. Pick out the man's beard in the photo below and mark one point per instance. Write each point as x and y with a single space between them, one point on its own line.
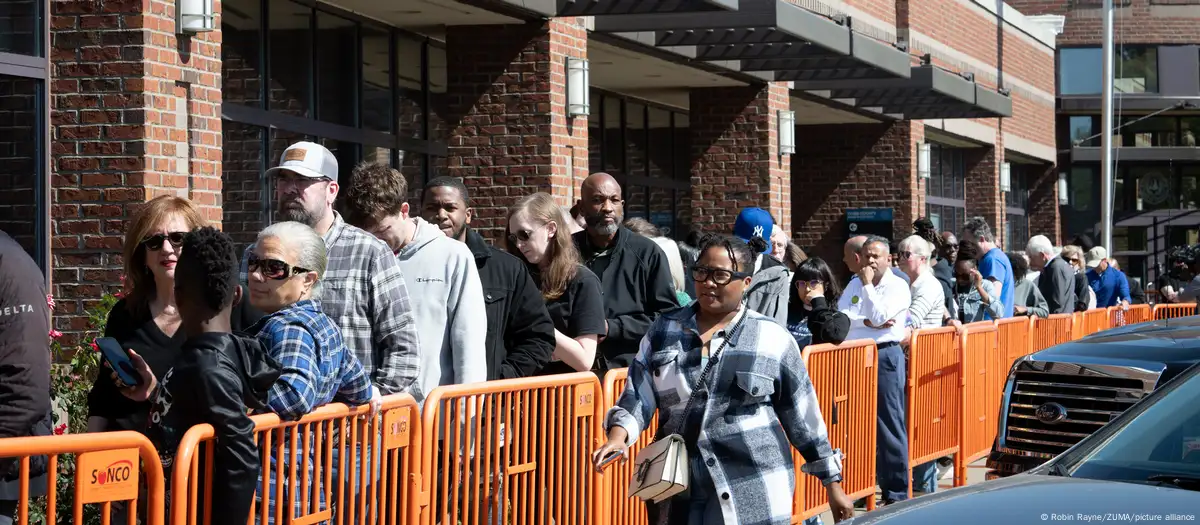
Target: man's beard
295 211
597 225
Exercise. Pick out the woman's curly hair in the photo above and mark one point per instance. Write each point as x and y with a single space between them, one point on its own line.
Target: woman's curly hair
210 258
738 250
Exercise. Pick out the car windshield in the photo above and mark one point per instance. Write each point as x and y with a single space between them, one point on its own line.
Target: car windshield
1161 445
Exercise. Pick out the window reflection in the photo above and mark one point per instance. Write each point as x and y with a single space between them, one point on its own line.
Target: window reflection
613 149
410 115
22 216
241 48
21 27
376 102
244 197
337 44
291 63
440 106
1082 129
1080 70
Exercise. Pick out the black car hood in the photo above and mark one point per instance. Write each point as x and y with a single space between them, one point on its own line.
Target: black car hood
1036 499
1171 342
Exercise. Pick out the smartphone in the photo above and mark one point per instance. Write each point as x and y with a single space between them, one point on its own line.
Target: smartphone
611 458
118 360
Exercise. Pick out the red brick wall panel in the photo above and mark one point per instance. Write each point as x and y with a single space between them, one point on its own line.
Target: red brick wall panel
1138 21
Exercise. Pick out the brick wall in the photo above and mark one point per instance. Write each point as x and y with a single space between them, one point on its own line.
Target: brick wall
735 155
1043 205
837 167
132 118
505 109
984 198
1141 22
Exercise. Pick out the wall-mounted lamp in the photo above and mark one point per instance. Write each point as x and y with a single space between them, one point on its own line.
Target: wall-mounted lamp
1006 177
923 153
1064 197
194 16
787 132
577 87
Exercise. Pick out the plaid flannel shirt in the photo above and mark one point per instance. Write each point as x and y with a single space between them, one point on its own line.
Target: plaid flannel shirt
760 398
363 292
316 369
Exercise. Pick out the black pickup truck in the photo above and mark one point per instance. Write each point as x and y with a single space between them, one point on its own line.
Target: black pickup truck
1055 398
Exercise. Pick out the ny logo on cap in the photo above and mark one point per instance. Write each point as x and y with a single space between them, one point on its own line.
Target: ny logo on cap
758 231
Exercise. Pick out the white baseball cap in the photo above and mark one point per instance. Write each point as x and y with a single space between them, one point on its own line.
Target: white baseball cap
308 159
1093 257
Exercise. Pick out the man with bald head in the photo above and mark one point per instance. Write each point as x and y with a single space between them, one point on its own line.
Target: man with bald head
850 253
633 271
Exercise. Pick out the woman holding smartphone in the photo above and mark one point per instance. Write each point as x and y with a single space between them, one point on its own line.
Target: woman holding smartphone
754 397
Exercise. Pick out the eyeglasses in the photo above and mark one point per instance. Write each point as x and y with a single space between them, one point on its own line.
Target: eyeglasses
903 256
523 235
155 242
719 276
813 283
273 269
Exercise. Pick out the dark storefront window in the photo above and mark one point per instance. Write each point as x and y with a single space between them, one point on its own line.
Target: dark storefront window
1083 130
1080 70
1016 202
24 207
646 147
945 191
358 87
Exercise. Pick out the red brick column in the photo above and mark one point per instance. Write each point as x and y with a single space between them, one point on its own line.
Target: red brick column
844 166
1043 206
133 117
506 115
735 156
984 198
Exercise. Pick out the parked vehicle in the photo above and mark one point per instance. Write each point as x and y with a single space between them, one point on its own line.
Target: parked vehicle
1143 466
1057 397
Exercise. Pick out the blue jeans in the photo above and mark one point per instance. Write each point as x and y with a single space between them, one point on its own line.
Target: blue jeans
891 447
704 508
925 477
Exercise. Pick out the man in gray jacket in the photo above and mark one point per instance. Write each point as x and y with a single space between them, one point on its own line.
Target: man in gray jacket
768 291
438 269
1056 280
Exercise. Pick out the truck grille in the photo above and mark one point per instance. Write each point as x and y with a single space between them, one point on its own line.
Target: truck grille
1085 402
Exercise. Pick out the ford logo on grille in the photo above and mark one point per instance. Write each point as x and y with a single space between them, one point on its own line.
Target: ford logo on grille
1051 413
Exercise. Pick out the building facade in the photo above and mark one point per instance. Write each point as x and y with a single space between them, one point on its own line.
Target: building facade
838 116
1156 111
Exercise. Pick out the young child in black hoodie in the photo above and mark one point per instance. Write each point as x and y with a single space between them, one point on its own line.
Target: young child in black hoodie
217 377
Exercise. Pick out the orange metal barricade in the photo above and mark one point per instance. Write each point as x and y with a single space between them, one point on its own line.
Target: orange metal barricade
514 451
108 468
1091 321
1015 337
981 360
934 397
621 508
1053 330
367 485
1173 310
845 378
1138 313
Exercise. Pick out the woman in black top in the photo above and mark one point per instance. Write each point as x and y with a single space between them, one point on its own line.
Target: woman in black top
538 234
146 320
812 315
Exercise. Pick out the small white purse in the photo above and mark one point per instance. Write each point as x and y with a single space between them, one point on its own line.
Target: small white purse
660 470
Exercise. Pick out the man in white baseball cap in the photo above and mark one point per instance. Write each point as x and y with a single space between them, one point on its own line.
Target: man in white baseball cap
364 290
1110 284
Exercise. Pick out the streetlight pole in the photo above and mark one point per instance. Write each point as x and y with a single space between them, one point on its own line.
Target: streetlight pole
1106 112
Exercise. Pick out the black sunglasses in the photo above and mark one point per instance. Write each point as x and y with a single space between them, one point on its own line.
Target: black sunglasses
155 242
273 269
719 276
523 236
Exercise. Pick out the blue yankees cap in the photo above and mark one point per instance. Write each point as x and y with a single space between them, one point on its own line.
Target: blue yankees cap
753 222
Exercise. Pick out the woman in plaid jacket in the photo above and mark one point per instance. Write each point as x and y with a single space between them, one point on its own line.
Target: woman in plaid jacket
756 399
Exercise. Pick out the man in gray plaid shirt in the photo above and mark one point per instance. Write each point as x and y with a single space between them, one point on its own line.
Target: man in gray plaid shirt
363 290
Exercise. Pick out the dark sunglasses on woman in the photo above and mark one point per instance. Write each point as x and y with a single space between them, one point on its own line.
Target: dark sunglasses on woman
522 235
155 242
273 269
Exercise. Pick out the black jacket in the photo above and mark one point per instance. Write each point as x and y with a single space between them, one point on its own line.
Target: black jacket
217 377
1137 294
825 324
520 334
24 358
1081 292
945 275
637 286
1057 283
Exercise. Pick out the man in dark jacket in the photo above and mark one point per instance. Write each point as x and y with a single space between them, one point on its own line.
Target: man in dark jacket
1057 278
520 333
633 271
24 367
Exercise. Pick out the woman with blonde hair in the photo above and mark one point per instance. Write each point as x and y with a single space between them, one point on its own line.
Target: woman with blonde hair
1085 298
539 234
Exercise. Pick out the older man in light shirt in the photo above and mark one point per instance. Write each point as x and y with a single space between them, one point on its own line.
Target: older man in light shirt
877 302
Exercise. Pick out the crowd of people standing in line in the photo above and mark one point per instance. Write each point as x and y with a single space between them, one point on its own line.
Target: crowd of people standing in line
358 293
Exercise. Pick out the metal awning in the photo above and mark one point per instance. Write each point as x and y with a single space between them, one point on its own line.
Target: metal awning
634 7
929 93
776 37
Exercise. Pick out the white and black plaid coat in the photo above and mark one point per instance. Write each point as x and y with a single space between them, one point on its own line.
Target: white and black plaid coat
760 399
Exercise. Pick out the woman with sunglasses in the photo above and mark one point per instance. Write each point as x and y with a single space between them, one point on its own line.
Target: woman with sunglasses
538 233
732 384
1085 298
285 267
813 318
146 319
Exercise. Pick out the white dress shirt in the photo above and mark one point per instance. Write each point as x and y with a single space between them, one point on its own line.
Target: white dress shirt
887 301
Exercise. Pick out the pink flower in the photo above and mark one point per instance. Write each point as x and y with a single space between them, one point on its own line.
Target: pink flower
95 347
119 295
60 429
50 301
55 334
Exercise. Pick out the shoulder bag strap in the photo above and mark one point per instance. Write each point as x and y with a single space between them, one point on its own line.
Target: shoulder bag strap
712 360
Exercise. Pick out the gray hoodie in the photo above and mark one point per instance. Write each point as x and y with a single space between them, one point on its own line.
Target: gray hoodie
447 298
768 291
